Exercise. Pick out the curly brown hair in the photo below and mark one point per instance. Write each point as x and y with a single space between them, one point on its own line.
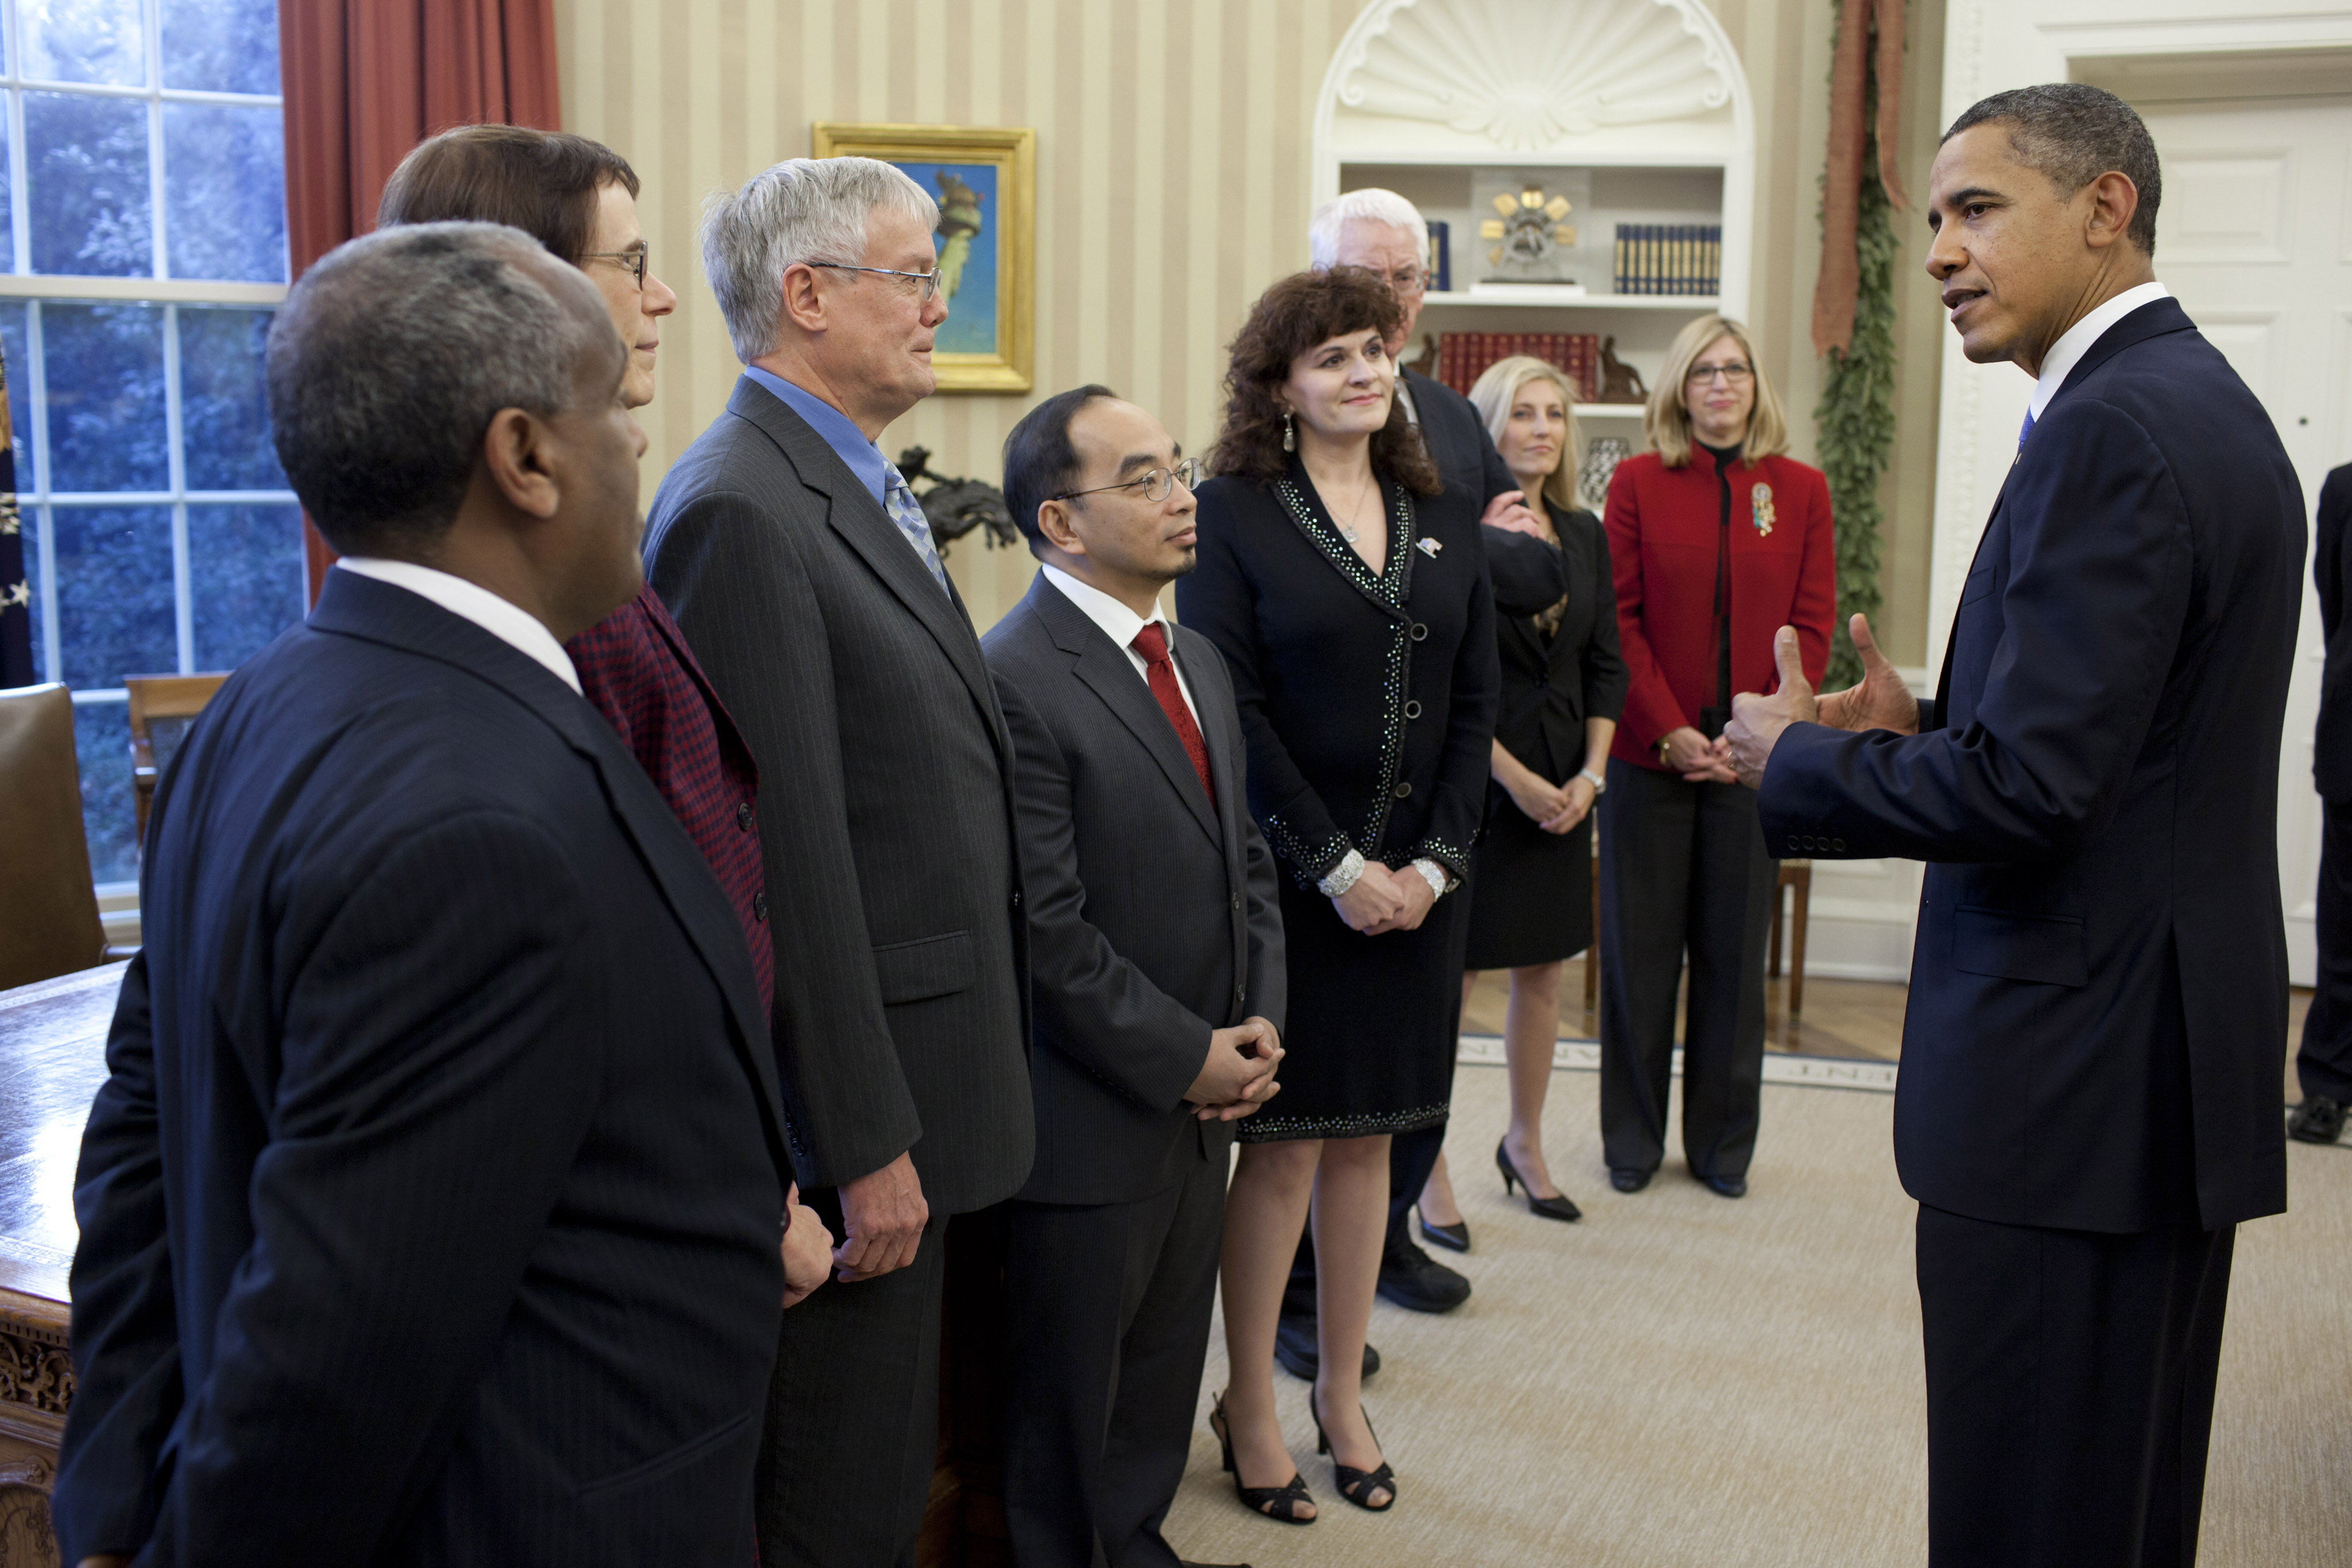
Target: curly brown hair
1289 319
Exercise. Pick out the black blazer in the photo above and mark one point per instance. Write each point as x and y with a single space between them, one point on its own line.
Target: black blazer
1152 914
1551 684
902 980
1369 706
430 1210
1526 573
2098 985
2331 573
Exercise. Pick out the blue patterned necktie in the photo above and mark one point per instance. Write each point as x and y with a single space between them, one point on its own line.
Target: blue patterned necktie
907 512
2023 432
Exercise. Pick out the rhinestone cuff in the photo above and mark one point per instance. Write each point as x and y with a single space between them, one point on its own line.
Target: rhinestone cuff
1343 876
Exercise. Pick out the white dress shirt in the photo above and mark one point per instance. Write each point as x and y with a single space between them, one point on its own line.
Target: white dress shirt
1120 624
509 623
2068 350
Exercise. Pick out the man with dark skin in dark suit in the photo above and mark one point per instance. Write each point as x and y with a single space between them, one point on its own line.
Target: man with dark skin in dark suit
2091 1054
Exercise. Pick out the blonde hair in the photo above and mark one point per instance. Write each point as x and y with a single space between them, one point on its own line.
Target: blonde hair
1498 388
1666 420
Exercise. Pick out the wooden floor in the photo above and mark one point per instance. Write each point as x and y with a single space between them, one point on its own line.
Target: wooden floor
1841 1018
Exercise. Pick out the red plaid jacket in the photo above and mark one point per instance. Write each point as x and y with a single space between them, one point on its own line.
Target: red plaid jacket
635 667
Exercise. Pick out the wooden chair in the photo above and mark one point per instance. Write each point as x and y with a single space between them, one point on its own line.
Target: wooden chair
51 927
1797 876
162 709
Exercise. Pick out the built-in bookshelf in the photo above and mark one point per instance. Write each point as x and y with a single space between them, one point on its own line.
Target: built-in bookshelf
1449 102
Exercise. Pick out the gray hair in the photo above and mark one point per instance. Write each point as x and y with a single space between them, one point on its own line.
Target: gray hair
801 210
2072 133
1371 205
393 354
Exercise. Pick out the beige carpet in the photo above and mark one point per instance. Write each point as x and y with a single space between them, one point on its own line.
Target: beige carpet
1682 1380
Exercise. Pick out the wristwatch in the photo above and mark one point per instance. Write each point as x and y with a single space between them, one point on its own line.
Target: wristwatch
1600 785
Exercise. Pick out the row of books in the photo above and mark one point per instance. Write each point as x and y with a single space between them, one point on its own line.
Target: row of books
1463 357
1441 256
1668 258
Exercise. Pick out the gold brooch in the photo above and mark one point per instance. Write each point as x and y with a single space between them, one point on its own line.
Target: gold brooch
1759 502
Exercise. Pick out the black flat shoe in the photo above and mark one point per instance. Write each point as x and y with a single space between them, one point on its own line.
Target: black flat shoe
1296 1348
1625 1179
2319 1120
1355 1485
1419 1282
1726 1186
1454 1238
1261 1500
1557 1208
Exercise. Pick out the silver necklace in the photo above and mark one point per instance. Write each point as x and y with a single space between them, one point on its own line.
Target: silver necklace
1345 531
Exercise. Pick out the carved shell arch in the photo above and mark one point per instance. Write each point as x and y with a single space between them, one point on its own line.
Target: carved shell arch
1526 74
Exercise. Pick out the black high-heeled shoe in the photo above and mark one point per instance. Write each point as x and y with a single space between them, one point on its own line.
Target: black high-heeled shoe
1355 1485
1550 1208
1261 1500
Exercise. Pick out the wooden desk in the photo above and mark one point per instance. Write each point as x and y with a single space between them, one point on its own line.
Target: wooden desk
52 1061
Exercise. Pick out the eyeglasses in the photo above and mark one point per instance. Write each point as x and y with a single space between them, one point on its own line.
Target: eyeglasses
1156 484
1735 374
632 261
1412 280
930 280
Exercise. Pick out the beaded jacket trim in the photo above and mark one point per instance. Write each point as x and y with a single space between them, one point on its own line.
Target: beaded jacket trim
1264 1129
1391 591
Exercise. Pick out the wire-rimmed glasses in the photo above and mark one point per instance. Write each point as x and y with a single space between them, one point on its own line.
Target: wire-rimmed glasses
1156 485
930 280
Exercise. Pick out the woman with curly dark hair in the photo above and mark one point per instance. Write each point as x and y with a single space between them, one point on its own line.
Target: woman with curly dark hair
1349 595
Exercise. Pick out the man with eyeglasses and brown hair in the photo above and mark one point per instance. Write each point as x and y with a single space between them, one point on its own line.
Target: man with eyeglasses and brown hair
807 581
1156 962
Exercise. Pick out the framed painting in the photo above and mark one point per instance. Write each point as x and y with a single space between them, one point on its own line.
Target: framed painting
985 181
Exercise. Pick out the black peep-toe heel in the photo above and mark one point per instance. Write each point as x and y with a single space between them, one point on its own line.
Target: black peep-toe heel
1262 1499
1355 1485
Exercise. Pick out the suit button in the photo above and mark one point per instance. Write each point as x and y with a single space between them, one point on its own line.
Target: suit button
744 816
1808 844
1404 788
1420 632
759 906
1795 847
1413 710
1837 846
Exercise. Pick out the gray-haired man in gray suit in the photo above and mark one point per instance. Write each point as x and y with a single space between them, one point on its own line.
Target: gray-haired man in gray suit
803 575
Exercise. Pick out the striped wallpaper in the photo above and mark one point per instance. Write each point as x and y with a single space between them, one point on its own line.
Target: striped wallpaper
1173 139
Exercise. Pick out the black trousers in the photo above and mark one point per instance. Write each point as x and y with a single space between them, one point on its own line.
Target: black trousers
853 1426
2324 1063
2070 1391
1683 868
1107 1327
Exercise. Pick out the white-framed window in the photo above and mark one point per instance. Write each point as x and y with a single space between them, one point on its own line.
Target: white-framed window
144 184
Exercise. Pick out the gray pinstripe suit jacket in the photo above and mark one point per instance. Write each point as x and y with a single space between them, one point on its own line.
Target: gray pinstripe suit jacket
887 813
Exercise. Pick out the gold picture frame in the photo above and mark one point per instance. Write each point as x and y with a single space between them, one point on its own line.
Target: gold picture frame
985 181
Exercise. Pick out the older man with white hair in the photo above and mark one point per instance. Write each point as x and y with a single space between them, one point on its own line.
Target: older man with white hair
804 576
1384 233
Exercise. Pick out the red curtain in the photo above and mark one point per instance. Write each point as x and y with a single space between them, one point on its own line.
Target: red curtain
1863 25
365 80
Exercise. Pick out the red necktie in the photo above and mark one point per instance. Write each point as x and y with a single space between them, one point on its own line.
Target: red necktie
1161 671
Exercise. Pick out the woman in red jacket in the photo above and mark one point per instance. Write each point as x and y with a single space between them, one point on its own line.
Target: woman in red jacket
1717 539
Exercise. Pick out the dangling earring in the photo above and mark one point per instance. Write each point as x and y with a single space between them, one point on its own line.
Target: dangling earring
1289 434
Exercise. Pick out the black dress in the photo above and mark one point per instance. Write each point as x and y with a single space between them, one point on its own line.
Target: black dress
1532 895
1368 704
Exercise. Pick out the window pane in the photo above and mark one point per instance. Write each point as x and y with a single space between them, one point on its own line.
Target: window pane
224 412
7 201
244 573
105 375
225 191
103 745
114 592
30 519
221 46
84 40
86 161
20 388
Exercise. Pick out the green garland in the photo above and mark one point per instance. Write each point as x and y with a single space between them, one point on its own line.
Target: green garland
1854 420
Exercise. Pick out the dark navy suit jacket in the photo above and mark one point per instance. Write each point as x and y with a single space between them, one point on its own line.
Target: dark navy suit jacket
2331 573
430 1212
1154 912
2098 984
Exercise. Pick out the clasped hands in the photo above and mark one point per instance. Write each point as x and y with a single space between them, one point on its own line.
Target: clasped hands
1881 700
1383 900
1554 808
1238 1076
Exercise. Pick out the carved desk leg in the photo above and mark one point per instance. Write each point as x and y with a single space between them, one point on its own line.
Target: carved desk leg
37 1385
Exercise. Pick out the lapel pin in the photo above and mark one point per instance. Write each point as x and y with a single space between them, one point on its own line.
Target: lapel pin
1759 501
1430 548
